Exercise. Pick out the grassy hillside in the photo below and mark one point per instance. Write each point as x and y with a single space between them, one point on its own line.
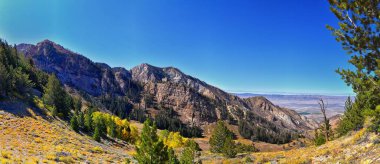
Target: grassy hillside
37 139
359 147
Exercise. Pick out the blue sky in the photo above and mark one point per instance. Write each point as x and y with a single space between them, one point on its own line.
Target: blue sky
236 45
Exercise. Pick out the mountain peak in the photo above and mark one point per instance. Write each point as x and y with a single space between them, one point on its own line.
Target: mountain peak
260 99
145 65
47 41
50 44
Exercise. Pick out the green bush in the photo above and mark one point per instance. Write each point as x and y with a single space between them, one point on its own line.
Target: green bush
319 140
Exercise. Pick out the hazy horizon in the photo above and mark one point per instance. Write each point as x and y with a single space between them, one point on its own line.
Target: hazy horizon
292 93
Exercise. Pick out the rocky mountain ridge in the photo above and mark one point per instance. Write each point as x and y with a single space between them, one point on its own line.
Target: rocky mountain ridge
195 101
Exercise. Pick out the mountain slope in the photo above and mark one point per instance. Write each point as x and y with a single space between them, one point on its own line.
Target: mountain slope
43 139
286 117
358 147
155 88
76 70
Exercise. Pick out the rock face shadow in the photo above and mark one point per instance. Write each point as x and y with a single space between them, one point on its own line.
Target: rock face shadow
21 109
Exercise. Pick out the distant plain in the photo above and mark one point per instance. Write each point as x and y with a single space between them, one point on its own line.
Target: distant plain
306 105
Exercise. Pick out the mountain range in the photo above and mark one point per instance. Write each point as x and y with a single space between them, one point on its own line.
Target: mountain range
153 89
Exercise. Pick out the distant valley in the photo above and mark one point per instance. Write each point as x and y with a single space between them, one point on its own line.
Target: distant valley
306 105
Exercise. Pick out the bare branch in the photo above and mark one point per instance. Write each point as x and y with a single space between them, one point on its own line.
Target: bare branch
323 107
349 18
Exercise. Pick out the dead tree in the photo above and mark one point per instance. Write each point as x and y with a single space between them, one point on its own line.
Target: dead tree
323 108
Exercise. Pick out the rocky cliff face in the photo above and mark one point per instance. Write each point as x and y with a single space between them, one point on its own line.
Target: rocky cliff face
159 88
77 71
187 94
281 116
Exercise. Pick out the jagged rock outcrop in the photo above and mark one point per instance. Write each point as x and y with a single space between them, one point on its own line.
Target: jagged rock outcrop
76 70
159 88
167 85
281 116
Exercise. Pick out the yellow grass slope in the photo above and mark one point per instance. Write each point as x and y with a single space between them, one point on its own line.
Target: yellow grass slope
43 140
33 139
359 147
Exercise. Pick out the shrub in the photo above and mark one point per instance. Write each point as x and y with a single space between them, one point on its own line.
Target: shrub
243 148
97 149
320 140
247 160
6 154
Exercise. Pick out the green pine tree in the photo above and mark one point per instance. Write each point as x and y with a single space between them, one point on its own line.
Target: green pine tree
172 158
358 33
81 120
4 81
352 118
88 120
56 96
77 104
151 149
21 82
187 156
74 123
111 128
190 152
229 148
96 135
218 137
319 138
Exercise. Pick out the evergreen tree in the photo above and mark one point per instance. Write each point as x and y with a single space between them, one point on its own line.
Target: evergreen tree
98 121
168 119
111 128
4 81
81 120
351 120
138 115
78 104
190 152
229 148
187 156
172 158
319 139
96 135
74 123
56 96
15 73
358 32
21 82
88 120
193 145
218 137
375 127
151 149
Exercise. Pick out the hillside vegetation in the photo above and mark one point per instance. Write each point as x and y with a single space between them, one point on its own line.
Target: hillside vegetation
43 139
